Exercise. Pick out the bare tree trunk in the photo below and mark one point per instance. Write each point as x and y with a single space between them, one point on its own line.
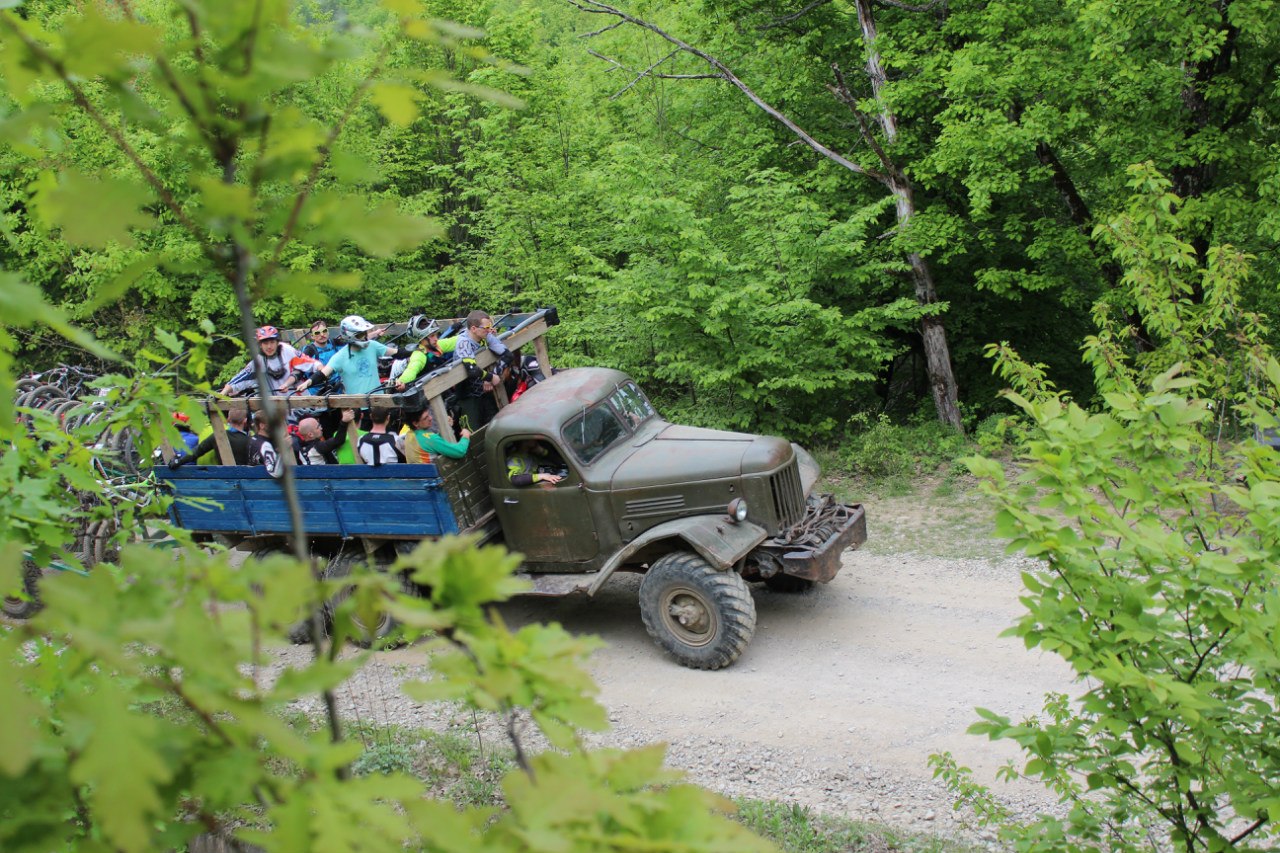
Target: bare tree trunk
933 333
937 355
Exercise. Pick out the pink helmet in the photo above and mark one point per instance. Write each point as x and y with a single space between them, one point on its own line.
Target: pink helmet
267 333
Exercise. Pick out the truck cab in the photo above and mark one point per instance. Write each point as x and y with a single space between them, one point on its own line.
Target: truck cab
627 472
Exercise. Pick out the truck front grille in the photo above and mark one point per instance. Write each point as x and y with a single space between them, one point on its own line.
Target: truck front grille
788 497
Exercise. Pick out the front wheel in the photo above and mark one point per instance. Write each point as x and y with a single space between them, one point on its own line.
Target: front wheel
703 617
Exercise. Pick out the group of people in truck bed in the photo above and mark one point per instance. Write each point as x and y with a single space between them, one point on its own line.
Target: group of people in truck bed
390 436
248 436
354 362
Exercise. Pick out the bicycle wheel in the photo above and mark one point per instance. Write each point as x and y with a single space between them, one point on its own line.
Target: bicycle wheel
127 451
88 544
61 411
104 550
37 397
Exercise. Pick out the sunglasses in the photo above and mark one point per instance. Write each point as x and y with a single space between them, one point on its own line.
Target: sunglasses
315 333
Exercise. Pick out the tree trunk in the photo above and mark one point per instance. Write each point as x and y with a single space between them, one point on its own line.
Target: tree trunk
937 355
933 333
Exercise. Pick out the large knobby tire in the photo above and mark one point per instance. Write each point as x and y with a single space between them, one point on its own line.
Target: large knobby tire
788 583
28 606
299 633
378 635
703 617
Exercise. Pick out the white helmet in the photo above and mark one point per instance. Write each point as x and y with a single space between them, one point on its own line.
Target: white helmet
355 325
421 326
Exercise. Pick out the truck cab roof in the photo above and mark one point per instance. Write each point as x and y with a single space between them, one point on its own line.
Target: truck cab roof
547 406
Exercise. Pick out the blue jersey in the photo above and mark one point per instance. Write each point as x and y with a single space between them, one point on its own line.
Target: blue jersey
358 367
321 353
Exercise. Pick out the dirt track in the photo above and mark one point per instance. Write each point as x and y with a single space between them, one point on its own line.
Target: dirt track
844 692
840 698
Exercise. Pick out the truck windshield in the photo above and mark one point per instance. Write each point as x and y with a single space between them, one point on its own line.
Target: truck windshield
631 405
591 433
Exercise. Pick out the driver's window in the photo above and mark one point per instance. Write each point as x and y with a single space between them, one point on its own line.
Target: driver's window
592 432
534 461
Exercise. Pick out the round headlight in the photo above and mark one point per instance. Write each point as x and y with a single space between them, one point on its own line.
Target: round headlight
737 510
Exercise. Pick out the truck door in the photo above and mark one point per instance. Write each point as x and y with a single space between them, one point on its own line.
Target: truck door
546 522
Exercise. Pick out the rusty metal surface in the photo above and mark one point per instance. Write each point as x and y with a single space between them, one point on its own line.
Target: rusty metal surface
812 548
466 482
546 406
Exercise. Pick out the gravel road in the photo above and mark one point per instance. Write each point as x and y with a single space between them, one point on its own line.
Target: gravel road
836 704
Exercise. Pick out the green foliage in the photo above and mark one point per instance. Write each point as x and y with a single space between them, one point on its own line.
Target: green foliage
229 140
797 829
135 714
1156 528
881 449
682 234
384 758
158 630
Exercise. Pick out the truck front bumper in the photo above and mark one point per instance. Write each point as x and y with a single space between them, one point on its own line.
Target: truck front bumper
812 548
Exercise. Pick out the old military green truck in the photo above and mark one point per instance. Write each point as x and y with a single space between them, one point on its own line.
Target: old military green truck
700 513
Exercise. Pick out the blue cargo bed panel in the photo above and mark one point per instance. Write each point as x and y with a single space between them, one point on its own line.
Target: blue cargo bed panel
337 500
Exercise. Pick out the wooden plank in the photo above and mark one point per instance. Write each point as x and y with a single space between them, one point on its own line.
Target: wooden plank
544 356
333 401
441 416
220 437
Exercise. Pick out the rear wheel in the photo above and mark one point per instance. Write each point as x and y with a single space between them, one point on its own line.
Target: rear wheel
299 633
703 617
377 635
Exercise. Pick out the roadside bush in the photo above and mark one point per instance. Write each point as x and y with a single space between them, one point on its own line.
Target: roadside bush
384 758
880 449
1159 580
996 435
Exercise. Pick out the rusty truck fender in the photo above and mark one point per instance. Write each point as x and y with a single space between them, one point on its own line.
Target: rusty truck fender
717 540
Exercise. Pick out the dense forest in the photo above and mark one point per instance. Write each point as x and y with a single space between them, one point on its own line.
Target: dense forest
796 218
762 210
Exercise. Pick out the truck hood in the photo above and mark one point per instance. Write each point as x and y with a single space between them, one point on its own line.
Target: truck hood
682 454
